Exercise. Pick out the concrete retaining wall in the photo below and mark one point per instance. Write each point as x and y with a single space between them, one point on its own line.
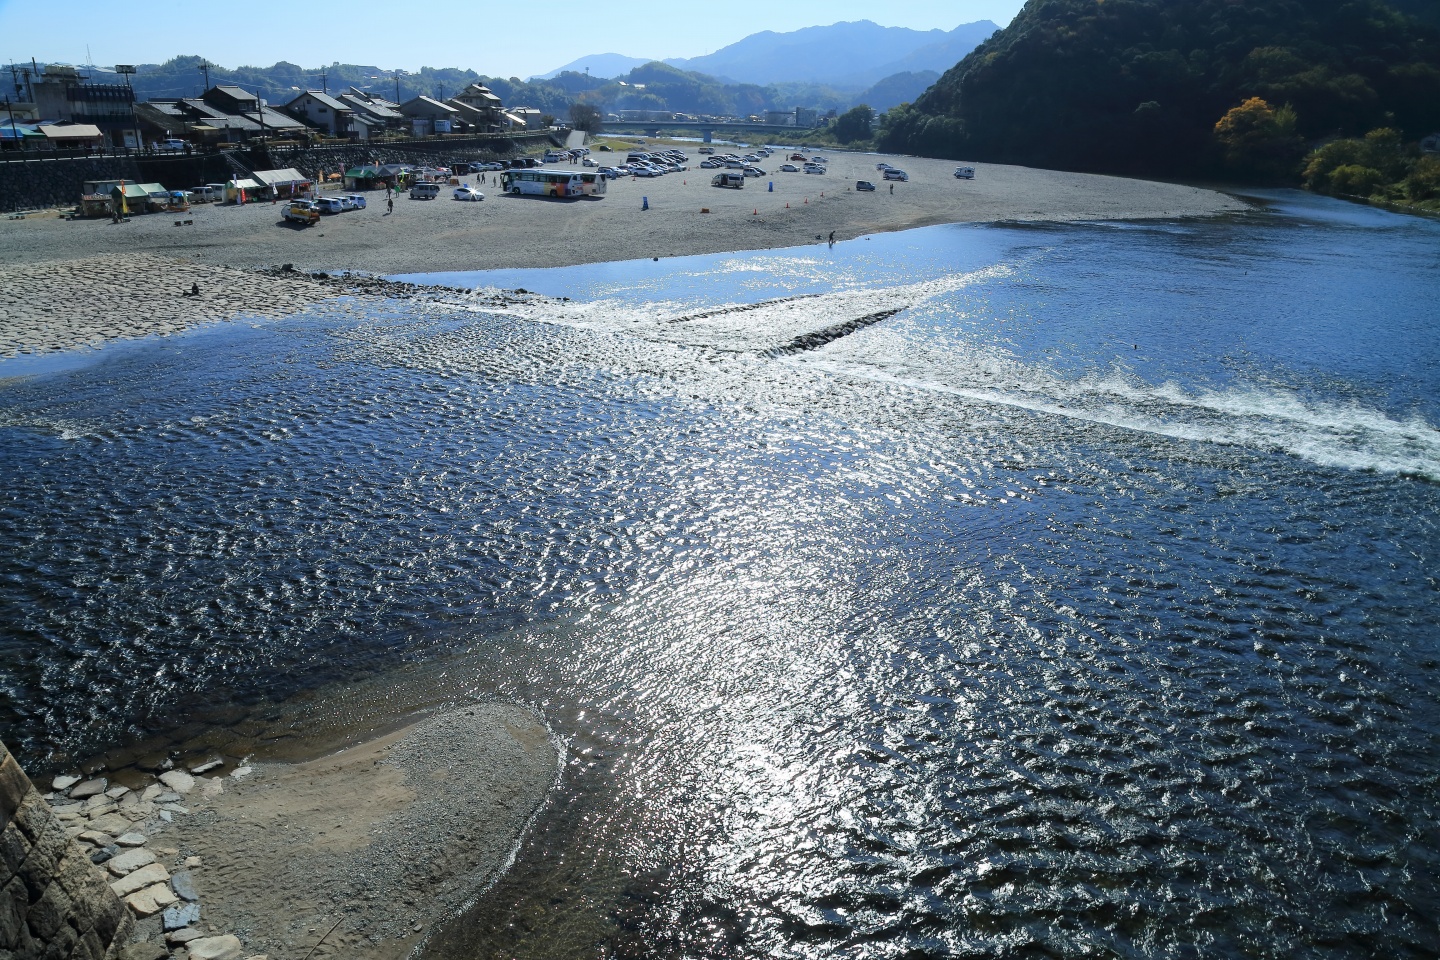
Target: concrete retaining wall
54 903
43 184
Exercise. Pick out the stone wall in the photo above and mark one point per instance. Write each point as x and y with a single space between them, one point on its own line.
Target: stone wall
57 182
54 903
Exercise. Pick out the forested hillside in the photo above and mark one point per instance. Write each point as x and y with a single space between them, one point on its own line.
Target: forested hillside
1139 85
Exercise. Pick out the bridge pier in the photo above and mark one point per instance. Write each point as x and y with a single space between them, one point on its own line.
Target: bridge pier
709 134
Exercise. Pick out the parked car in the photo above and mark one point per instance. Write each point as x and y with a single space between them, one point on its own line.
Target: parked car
864 186
644 170
750 171
727 179
711 164
814 168
605 148
707 149
356 199
895 173
329 205
610 173
882 165
789 168
424 190
587 162
468 193
301 211
798 156
171 146
734 164
964 173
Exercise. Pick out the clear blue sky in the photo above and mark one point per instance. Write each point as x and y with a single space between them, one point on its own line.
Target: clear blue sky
509 39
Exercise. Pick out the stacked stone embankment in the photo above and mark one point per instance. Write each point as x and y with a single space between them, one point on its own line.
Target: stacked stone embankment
54 901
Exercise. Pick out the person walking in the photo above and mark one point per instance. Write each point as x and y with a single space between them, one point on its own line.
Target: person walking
389 205
892 188
832 239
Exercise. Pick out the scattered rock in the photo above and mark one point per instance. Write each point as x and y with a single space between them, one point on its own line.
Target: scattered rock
99 804
207 766
152 791
184 884
212 788
64 782
146 876
89 789
98 839
130 861
111 823
129 840
192 862
215 948
177 780
169 796
151 900
181 915
240 773
174 808
115 793
98 857
184 935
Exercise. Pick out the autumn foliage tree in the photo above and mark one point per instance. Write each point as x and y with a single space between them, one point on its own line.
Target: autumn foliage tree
1260 141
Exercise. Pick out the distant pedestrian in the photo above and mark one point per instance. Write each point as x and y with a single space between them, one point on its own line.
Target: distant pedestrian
390 205
892 188
832 239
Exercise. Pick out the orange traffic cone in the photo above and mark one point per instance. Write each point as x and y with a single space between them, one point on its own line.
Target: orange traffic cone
787 205
807 199
755 212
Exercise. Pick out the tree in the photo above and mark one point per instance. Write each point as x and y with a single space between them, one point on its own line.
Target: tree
585 116
1259 140
854 124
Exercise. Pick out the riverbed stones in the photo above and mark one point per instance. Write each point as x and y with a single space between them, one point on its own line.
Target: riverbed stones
150 900
212 788
178 781
180 915
151 792
206 767
63 782
88 789
226 947
111 823
153 873
183 883
131 839
130 861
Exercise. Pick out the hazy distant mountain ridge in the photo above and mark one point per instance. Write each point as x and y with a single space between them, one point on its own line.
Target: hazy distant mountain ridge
849 55
603 65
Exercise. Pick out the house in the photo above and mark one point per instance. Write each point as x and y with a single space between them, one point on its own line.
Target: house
323 112
232 102
72 136
525 118
428 116
375 114
487 112
780 118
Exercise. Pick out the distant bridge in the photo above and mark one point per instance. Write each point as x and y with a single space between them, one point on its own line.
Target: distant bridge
707 128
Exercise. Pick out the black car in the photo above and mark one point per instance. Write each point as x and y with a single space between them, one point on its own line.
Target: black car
864 185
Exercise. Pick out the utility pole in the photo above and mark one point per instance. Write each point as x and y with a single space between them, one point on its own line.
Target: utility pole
397 86
204 68
324 82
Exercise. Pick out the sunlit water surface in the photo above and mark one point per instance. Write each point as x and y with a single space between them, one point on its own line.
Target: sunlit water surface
1010 590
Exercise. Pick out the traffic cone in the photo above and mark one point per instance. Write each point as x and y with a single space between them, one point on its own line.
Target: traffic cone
787 205
822 193
807 199
755 212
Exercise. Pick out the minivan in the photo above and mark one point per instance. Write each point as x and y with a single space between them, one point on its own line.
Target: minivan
896 174
735 180
424 191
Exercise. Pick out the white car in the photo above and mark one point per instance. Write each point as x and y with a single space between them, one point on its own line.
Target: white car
895 173
352 201
468 193
587 162
329 204
814 168
789 168
882 166
644 170
750 171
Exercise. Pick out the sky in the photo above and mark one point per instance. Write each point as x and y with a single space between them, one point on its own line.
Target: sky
444 33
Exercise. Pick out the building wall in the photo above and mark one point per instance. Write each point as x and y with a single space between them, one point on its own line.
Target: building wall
53 901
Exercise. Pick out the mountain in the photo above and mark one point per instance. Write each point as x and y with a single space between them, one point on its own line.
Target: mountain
1138 86
896 89
843 55
603 65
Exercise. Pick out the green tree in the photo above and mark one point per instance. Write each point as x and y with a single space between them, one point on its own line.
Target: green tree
854 124
1259 140
585 116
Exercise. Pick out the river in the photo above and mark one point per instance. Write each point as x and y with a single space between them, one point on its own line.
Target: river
1019 589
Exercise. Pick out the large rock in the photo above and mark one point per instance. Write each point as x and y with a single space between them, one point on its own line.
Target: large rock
183 883
215 948
89 788
144 877
129 861
178 781
111 823
64 782
212 788
130 840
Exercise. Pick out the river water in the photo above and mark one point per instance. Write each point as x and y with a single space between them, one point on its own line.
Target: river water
1062 590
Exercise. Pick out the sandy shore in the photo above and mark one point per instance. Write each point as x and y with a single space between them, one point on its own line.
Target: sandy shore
503 232
385 838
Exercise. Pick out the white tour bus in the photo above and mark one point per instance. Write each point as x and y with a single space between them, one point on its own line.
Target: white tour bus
543 183
592 183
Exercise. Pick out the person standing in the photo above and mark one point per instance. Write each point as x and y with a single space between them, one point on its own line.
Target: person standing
389 204
832 239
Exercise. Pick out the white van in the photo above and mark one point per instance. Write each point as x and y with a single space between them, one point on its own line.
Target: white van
424 190
202 194
964 173
735 180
